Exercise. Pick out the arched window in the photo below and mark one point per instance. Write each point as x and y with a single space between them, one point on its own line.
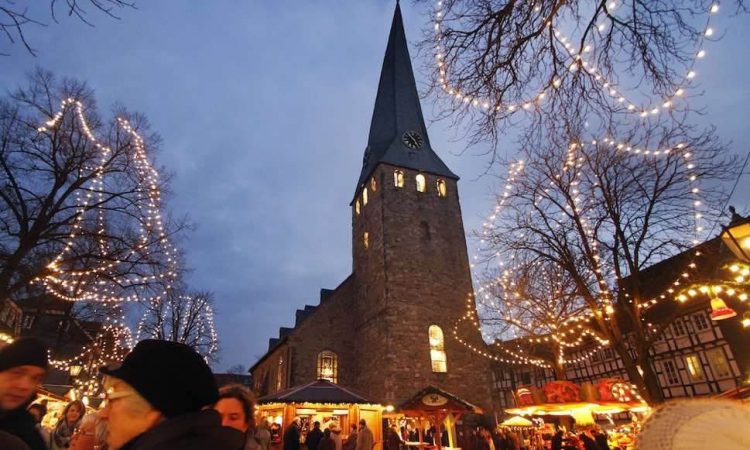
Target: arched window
364 197
437 350
373 184
442 190
366 240
356 206
328 366
421 183
398 178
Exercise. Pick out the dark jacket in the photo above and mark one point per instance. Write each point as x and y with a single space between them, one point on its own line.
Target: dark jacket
313 438
193 431
326 444
601 441
20 424
557 441
291 437
588 443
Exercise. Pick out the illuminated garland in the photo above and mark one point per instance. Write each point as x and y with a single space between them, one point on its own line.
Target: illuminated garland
578 62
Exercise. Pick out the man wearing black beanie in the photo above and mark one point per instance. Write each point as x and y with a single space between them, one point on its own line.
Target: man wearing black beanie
22 367
157 399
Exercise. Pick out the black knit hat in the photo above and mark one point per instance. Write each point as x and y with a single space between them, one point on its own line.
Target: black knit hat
172 377
25 351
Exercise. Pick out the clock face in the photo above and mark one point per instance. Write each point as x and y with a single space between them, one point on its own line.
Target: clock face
412 139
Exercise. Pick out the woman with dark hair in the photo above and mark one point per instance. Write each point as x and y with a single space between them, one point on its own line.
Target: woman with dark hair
235 405
67 424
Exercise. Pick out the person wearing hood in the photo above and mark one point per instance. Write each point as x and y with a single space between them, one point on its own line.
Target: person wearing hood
160 398
23 365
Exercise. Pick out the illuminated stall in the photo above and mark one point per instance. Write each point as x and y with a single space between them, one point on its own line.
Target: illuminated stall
322 401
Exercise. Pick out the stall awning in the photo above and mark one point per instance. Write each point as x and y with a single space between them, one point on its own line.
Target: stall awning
320 391
432 398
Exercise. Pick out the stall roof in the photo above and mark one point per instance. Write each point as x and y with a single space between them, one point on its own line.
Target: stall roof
432 398
320 391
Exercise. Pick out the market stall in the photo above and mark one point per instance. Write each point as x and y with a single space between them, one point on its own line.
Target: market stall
321 401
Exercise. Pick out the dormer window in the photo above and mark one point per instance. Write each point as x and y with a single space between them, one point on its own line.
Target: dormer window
356 206
398 178
421 183
442 190
373 184
364 197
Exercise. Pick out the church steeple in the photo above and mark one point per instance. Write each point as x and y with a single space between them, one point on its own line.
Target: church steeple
398 134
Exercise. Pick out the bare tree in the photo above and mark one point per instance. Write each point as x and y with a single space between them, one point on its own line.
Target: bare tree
603 212
16 17
182 317
79 205
550 58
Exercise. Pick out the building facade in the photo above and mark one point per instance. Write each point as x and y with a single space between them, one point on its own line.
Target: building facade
384 330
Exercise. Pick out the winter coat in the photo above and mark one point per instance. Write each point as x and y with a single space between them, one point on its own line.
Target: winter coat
326 444
313 438
10 442
351 441
291 437
365 439
22 425
263 435
193 431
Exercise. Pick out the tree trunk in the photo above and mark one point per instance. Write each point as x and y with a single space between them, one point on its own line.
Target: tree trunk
644 379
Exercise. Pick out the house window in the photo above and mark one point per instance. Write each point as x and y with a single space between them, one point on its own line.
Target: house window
693 363
366 240
442 190
718 362
356 206
437 349
398 178
373 184
700 322
364 197
280 374
670 371
421 183
678 328
328 366
28 321
608 354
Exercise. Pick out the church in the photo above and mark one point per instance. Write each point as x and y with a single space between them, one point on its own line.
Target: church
384 331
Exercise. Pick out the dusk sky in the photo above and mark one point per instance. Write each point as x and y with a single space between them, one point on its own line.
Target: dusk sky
264 109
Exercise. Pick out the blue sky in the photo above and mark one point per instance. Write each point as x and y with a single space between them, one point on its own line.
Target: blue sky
264 109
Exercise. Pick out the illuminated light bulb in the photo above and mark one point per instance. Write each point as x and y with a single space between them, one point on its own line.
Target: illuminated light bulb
701 54
709 32
714 8
691 75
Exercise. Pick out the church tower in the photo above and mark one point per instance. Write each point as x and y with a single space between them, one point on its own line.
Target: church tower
410 262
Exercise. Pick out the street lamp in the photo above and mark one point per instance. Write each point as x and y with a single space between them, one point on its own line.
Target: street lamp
736 236
75 370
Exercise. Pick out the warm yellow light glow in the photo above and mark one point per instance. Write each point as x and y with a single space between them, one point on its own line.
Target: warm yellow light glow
421 183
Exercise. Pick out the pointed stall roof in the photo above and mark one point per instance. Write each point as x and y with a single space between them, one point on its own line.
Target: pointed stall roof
320 391
398 111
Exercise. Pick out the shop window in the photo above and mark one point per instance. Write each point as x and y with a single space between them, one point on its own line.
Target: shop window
356 206
328 366
700 321
442 190
437 349
670 372
364 197
693 363
678 328
398 178
373 184
421 183
366 240
718 361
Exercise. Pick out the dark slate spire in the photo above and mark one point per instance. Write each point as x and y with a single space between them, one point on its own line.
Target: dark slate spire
397 112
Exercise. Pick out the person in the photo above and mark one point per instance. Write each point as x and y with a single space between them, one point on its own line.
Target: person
600 436
90 435
351 441
314 437
292 435
68 422
588 440
263 434
393 440
10 442
365 438
235 406
326 442
557 440
159 398
23 365
336 436
38 411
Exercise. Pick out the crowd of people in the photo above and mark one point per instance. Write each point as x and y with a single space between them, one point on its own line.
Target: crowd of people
164 396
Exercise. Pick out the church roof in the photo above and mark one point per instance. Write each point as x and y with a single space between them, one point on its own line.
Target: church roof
398 111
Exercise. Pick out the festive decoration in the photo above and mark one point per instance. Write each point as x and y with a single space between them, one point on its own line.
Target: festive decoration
720 310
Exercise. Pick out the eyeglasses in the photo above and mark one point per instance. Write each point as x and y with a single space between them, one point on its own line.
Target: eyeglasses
111 394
